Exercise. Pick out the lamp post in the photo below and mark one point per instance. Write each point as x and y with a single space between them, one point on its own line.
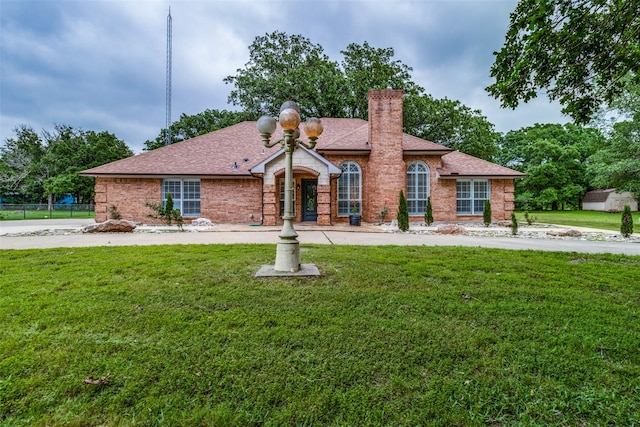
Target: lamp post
288 247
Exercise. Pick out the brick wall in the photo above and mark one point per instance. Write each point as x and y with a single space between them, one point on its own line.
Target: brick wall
386 171
128 196
384 174
236 201
222 200
363 162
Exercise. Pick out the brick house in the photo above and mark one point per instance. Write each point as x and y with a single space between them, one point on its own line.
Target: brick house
228 176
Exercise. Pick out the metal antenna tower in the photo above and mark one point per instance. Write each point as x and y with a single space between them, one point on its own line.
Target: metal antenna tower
168 88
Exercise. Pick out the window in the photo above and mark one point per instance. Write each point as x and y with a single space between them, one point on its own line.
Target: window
349 190
185 194
471 195
417 188
281 182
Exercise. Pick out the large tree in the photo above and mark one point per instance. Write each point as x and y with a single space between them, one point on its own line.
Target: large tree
286 67
577 51
190 126
451 124
35 168
617 163
21 179
70 151
283 67
554 157
365 68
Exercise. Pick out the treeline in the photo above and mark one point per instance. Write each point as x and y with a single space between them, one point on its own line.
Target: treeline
562 162
38 168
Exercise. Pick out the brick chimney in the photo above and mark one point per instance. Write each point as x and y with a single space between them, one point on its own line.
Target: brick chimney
386 171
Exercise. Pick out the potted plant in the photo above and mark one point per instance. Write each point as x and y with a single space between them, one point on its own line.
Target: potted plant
355 218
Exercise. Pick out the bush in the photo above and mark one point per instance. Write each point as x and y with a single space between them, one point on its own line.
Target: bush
529 218
626 228
403 213
167 212
114 213
514 224
428 215
486 213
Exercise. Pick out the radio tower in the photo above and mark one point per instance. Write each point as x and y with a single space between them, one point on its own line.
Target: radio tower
169 77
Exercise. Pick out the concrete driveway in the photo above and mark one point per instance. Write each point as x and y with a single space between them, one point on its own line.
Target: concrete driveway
58 233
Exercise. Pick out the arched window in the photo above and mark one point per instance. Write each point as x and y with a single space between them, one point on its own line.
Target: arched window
417 188
349 189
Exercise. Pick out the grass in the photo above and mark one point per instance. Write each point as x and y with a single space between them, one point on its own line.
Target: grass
6 215
186 335
591 219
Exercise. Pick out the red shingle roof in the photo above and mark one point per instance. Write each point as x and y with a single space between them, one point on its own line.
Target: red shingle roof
233 151
457 164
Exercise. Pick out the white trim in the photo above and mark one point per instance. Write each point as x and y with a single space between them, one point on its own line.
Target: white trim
261 167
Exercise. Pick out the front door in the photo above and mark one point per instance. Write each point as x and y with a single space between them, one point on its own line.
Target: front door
309 199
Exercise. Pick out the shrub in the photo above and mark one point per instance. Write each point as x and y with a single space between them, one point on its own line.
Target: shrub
626 228
428 215
114 213
514 224
486 213
384 211
529 218
403 213
167 212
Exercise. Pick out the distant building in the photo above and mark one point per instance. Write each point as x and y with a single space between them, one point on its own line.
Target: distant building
608 201
357 167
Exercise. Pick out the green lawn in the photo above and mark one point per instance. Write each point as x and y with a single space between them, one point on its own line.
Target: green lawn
187 336
44 214
592 219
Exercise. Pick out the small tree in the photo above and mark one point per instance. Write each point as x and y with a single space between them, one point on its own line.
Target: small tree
403 213
428 215
514 224
168 208
486 213
167 212
626 228
529 218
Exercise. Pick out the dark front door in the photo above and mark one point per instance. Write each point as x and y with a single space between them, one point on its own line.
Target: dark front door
309 199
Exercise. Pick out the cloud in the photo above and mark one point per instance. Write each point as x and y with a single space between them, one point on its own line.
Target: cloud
100 64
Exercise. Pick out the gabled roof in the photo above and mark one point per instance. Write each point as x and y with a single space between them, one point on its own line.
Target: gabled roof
228 152
414 145
597 196
233 151
459 165
331 168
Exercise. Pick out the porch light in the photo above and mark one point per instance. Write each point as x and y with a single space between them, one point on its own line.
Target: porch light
288 247
313 128
266 125
289 119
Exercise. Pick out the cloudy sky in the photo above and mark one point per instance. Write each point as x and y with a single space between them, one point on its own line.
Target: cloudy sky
100 64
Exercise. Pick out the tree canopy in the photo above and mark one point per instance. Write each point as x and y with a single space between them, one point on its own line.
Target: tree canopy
365 68
34 167
283 67
450 123
286 67
617 163
554 157
190 126
582 53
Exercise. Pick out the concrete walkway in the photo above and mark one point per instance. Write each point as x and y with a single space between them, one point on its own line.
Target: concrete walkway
58 233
